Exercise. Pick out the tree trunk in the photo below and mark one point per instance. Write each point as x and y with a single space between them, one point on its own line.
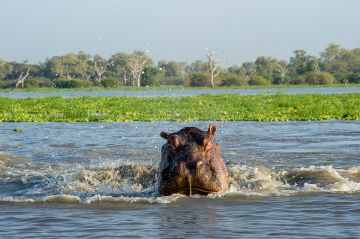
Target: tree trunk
22 78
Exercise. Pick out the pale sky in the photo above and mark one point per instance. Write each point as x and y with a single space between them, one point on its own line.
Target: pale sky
239 30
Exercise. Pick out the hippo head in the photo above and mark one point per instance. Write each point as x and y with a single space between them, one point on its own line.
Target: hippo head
191 163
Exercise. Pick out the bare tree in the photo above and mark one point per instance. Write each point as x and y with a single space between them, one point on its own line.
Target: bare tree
137 63
23 76
282 70
213 66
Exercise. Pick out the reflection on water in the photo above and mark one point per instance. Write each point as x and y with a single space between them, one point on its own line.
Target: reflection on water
287 180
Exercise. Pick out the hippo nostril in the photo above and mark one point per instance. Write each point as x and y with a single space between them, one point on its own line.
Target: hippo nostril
194 165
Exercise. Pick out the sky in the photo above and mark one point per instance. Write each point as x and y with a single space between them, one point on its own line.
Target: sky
237 30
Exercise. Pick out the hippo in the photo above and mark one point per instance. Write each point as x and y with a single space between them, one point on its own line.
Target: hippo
191 163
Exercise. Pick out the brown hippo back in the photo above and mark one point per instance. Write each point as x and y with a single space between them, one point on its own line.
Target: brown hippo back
191 163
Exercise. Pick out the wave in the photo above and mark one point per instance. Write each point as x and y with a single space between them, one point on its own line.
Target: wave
25 181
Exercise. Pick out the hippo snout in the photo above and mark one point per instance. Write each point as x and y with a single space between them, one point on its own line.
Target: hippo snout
189 167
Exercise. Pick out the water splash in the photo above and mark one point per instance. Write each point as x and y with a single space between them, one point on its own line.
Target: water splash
26 181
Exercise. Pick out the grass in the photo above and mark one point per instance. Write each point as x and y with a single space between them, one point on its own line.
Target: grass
172 87
278 107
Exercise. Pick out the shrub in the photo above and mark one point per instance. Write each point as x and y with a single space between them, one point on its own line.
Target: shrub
172 80
320 78
297 80
110 82
259 80
354 78
4 84
73 83
199 79
231 79
38 82
341 78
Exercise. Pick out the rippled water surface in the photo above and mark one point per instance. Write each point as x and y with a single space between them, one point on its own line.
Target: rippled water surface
286 180
186 92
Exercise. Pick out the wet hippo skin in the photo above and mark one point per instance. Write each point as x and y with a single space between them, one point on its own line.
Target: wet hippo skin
191 163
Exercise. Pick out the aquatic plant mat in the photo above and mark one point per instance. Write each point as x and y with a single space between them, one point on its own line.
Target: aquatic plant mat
277 107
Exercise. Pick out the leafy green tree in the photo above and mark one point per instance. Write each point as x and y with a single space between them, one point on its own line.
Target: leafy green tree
130 67
5 69
175 72
152 76
249 69
70 66
119 67
265 66
272 69
331 53
198 66
298 62
302 63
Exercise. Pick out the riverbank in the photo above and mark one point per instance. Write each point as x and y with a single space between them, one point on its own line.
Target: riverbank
277 107
171 87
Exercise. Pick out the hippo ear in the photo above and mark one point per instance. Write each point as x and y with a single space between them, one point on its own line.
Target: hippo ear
209 136
212 129
174 141
164 135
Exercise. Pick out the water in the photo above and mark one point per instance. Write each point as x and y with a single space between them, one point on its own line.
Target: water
185 92
287 180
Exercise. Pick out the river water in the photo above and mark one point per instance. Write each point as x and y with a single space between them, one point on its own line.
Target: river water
98 180
184 92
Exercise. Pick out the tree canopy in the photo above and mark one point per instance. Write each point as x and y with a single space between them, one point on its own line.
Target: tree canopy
334 65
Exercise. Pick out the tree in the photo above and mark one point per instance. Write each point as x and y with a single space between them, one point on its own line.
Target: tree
197 66
302 63
249 68
24 72
214 66
331 53
298 62
83 68
280 73
152 76
175 73
271 69
5 69
137 62
119 67
70 66
130 67
101 66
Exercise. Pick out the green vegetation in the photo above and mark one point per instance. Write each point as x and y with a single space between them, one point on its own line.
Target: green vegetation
278 107
82 70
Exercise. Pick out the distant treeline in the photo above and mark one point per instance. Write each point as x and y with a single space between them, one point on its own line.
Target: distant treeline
334 65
